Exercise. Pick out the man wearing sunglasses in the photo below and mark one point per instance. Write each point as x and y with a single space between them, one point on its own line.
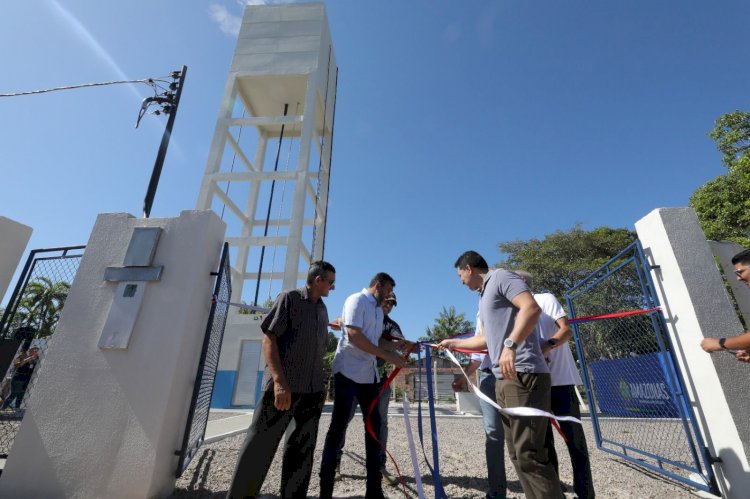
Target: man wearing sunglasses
739 344
294 342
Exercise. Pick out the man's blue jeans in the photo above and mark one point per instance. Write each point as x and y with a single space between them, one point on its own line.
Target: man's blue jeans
494 438
346 393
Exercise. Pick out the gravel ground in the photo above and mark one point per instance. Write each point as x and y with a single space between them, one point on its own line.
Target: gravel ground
461 443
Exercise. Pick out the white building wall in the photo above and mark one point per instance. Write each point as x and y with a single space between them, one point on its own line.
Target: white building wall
14 237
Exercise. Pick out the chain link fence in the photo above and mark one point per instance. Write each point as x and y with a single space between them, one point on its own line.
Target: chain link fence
209 363
26 328
635 394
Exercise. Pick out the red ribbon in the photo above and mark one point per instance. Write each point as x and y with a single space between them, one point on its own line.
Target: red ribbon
615 315
374 404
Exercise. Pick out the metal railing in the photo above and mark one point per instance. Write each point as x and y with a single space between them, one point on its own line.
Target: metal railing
26 327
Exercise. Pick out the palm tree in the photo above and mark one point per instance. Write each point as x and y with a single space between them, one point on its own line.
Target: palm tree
41 304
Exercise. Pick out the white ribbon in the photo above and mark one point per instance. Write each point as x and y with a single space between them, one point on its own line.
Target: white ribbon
244 306
510 411
412 449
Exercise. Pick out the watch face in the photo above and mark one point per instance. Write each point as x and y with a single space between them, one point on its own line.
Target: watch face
509 343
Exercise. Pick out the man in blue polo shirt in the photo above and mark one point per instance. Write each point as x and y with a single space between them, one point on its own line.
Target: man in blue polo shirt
356 378
509 315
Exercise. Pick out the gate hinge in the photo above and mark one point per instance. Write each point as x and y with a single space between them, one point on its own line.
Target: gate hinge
654 267
714 460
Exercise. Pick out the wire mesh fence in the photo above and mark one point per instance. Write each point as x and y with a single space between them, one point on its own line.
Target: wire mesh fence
635 393
26 328
209 363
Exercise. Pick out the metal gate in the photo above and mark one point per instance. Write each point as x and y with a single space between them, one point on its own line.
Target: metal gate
27 324
195 430
636 392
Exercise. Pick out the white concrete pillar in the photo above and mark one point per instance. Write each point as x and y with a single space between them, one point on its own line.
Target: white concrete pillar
107 423
14 237
695 306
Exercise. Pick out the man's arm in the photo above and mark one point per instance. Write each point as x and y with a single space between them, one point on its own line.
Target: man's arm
360 341
474 343
526 318
281 391
741 342
563 334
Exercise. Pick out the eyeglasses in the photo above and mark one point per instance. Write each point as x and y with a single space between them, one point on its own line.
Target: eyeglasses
738 272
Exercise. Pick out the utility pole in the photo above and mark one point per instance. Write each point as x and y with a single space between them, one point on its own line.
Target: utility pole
169 102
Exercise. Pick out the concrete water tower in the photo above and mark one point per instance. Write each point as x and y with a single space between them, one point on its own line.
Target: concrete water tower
268 172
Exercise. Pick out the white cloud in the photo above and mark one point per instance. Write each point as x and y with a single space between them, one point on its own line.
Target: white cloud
230 24
227 22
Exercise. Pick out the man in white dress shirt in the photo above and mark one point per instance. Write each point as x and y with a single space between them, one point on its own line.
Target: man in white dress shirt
356 378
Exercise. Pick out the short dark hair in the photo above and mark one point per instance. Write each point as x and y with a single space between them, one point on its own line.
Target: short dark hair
741 257
319 268
382 278
472 259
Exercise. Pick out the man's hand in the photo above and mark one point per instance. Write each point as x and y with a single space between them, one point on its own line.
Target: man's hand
395 359
335 324
448 344
742 355
546 347
282 397
458 383
403 345
710 344
508 363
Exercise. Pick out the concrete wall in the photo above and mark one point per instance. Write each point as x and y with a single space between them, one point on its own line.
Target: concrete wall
107 423
695 306
14 237
240 327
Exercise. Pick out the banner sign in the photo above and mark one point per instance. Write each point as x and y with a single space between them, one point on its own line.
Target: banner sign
633 387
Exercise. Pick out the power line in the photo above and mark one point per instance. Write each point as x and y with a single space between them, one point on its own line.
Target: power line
148 81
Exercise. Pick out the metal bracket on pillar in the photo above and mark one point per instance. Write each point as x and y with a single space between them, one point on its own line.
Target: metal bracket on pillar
131 280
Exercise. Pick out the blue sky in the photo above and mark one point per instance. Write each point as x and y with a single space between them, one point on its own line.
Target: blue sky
459 124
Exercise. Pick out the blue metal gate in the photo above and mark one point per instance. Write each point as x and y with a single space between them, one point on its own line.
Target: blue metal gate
635 390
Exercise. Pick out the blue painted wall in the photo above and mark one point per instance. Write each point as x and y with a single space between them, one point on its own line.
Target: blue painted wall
224 388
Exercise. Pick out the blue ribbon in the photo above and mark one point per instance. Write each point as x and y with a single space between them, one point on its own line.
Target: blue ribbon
439 492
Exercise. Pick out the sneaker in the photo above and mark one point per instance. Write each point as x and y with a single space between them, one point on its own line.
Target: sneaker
390 479
337 477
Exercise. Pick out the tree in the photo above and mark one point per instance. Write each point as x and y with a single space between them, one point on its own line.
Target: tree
41 305
563 258
723 203
266 304
448 324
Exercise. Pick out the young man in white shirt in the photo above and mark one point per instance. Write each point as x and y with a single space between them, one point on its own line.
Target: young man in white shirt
554 334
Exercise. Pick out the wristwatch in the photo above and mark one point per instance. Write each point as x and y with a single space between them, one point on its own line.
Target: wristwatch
552 342
510 344
721 343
